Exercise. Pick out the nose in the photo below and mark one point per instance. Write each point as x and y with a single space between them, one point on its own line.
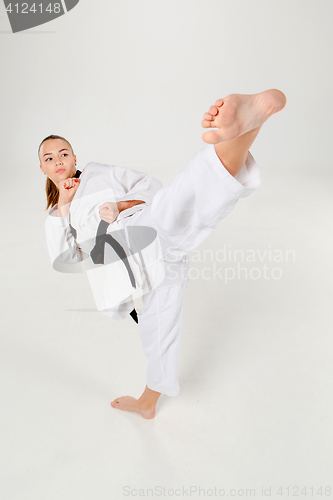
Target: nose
59 162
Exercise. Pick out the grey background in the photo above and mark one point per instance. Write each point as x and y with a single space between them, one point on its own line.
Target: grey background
128 82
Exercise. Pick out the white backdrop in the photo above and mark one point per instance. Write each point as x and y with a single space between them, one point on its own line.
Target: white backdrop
124 76
127 83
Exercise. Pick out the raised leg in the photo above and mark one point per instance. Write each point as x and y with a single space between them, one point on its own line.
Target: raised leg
236 121
233 153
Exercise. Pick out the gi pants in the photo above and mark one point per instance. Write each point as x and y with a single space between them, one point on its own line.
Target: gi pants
183 214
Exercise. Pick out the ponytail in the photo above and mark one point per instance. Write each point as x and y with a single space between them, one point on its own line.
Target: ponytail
52 193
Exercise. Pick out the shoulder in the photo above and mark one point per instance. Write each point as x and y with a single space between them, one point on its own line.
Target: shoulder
94 167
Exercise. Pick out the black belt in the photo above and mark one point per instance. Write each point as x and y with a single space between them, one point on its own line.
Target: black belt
97 253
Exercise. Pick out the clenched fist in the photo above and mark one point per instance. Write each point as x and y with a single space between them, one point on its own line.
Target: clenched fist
109 211
67 190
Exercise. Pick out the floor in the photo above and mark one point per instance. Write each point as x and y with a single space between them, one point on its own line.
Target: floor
254 415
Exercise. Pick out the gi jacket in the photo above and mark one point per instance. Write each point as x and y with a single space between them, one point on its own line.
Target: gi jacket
110 283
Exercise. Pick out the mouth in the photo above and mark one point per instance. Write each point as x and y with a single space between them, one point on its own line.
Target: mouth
60 170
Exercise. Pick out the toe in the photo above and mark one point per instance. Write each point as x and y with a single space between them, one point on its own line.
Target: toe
206 123
211 137
213 110
208 116
219 103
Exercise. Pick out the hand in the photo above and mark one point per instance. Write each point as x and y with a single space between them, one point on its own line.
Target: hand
67 190
109 211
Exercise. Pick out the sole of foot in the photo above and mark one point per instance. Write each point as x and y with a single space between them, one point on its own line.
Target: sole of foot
237 114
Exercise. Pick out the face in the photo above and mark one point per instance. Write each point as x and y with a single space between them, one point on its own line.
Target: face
57 160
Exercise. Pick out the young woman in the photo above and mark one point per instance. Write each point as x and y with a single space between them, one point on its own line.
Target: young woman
182 215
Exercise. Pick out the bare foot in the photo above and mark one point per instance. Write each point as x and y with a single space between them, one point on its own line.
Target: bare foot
144 406
238 114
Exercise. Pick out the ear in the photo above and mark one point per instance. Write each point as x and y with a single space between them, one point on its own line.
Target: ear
75 159
40 166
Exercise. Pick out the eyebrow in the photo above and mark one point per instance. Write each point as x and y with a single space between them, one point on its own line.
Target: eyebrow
60 150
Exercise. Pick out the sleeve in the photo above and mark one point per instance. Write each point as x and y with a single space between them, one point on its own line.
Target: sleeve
60 245
138 185
187 211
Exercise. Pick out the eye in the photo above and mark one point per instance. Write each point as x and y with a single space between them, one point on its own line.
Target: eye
64 154
47 159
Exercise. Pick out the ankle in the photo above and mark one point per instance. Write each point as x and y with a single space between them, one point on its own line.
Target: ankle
146 403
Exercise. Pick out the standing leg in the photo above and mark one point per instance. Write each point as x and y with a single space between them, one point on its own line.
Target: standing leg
160 329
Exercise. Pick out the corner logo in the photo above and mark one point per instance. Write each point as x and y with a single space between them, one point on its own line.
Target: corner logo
25 15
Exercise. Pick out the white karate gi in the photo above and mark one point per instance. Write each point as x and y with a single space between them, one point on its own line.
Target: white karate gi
183 214
111 285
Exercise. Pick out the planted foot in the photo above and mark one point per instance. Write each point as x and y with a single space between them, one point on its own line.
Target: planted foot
144 406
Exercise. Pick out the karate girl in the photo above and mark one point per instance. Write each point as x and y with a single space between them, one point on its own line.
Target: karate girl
183 215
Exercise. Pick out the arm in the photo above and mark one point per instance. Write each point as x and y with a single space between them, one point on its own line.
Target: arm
123 205
139 187
59 243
